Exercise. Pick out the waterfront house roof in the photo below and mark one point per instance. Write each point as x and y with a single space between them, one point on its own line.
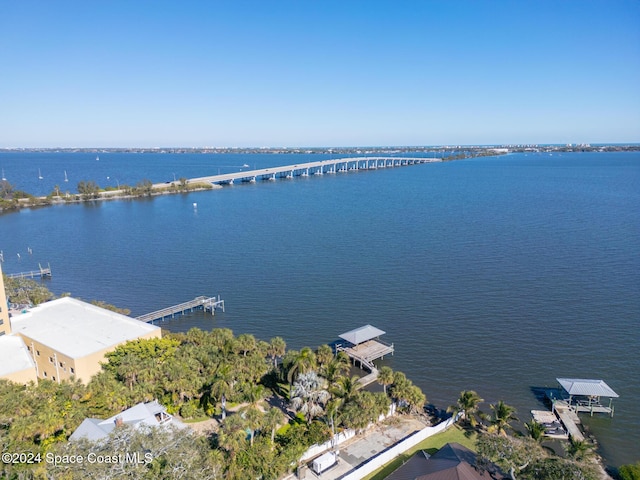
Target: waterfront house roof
362 334
587 387
151 414
451 462
14 356
76 328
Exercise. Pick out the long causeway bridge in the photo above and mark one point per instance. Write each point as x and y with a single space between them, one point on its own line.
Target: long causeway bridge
321 167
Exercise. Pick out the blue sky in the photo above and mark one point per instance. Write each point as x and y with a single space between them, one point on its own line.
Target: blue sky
318 73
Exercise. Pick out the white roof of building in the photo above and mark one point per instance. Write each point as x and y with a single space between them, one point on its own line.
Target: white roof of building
588 387
76 328
151 414
14 356
362 334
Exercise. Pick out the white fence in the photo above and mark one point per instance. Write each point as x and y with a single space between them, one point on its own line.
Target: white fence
315 450
340 438
389 454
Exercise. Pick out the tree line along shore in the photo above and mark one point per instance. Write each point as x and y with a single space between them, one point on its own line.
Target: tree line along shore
12 199
268 404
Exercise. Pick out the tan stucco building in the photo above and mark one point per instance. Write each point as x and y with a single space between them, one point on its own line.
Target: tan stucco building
16 363
68 337
62 338
5 325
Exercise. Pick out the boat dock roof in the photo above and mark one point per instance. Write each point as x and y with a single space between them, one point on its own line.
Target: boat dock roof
586 387
362 334
364 349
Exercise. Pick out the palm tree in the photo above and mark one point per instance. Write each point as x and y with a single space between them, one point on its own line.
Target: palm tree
385 377
107 394
336 368
580 449
365 408
415 399
272 418
347 387
23 429
324 354
47 423
180 379
221 386
195 336
252 420
129 369
332 411
467 405
232 435
277 348
222 339
245 343
355 416
502 415
303 362
536 430
309 395
404 392
255 394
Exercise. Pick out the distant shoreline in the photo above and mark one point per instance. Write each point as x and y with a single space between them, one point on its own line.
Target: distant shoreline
26 200
474 149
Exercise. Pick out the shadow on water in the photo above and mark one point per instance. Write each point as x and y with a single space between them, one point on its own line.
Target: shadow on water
540 394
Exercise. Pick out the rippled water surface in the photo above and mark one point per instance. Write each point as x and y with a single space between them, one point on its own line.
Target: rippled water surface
494 274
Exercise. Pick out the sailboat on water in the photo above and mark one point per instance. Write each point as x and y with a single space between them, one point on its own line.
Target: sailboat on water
65 176
40 175
97 158
4 179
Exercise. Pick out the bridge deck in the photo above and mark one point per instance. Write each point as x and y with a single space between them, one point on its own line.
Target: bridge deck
310 168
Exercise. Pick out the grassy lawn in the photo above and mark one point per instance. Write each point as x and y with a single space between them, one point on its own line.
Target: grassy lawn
431 445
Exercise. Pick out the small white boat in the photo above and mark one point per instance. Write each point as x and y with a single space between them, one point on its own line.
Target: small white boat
4 179
40 175
246 165
97 158
65 176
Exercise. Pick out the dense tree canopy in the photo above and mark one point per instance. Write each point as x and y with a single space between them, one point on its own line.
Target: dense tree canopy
523 458
24 291
265 422
199 375
630 472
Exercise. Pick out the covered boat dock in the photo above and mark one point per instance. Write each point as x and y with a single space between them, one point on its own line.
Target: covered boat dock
584 395
364 346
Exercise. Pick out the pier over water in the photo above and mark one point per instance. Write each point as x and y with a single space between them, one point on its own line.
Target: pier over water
208 304
339 165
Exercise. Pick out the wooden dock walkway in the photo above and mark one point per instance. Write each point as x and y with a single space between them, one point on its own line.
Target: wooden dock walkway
42 273
367 379
364 354
208 304
570 424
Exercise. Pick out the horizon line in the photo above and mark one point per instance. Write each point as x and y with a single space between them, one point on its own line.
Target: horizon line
297 147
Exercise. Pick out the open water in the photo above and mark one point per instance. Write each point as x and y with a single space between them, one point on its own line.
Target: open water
494 274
